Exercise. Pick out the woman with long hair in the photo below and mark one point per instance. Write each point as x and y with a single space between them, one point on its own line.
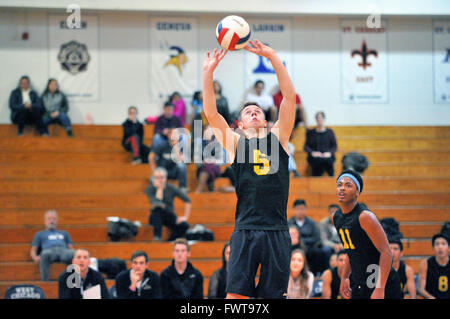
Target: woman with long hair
218 281
301 279
56 108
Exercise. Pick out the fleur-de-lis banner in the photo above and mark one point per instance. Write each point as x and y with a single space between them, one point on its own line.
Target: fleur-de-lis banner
441 61
173 57
364 77
73 57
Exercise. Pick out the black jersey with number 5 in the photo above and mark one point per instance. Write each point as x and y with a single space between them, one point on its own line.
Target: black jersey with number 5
262 184
437 279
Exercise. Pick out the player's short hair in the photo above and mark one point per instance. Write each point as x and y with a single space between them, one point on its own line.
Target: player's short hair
396 241
356 175
139 253
440 235
341 252
168 104
299 202
181 241
247 104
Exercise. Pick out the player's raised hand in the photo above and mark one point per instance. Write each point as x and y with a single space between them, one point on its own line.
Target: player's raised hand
259 48
213 59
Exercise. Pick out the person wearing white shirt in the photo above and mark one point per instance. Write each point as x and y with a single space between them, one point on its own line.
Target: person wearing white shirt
264 100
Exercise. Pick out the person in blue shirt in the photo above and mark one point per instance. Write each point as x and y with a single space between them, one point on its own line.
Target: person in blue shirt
51 245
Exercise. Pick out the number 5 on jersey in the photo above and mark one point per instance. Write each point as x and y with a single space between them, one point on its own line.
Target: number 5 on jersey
347 242
257 159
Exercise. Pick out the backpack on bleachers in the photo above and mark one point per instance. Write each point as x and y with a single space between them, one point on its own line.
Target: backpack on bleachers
199 232
119 228
24 292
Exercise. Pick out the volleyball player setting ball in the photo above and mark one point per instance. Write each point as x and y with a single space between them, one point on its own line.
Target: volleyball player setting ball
261 236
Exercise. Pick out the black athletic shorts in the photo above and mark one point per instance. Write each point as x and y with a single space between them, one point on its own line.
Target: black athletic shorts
251 248
392 290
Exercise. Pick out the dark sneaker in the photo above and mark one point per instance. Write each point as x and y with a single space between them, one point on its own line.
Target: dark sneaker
69 133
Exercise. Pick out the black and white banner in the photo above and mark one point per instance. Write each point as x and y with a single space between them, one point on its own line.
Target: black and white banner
364 67
173 57
441 61
277 33
74 56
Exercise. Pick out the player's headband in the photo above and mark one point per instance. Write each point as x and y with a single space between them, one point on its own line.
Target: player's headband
353 178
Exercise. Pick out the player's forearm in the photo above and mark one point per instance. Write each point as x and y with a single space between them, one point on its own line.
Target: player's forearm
284 80
209 98
385 267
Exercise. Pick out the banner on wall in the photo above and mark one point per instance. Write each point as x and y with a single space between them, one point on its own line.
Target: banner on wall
277 33
441 61
173 57
73 57
364 67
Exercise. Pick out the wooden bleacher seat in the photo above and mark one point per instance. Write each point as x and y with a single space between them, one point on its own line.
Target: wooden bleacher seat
89 177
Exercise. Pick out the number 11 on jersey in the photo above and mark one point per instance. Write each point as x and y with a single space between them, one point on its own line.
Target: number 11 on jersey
347 242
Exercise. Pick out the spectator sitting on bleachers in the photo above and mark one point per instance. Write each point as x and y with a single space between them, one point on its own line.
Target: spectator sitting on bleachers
316 253
209 170
296 241
138 282
181 280
333 261
331 278
179 106
328 232
26 106
197 107
56 107
221 102
218 281
163 126
320 144
264 100
405 272
300 116
51 245
301 279
434 272
161 195
133 137
175 167
292 166
72 284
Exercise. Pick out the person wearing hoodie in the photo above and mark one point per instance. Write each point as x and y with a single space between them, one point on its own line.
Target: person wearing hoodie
181 280
218 281
138 282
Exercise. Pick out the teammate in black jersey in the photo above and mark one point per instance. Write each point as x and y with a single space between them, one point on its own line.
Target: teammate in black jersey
365 241
260 164
434 272
405 272
331 278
